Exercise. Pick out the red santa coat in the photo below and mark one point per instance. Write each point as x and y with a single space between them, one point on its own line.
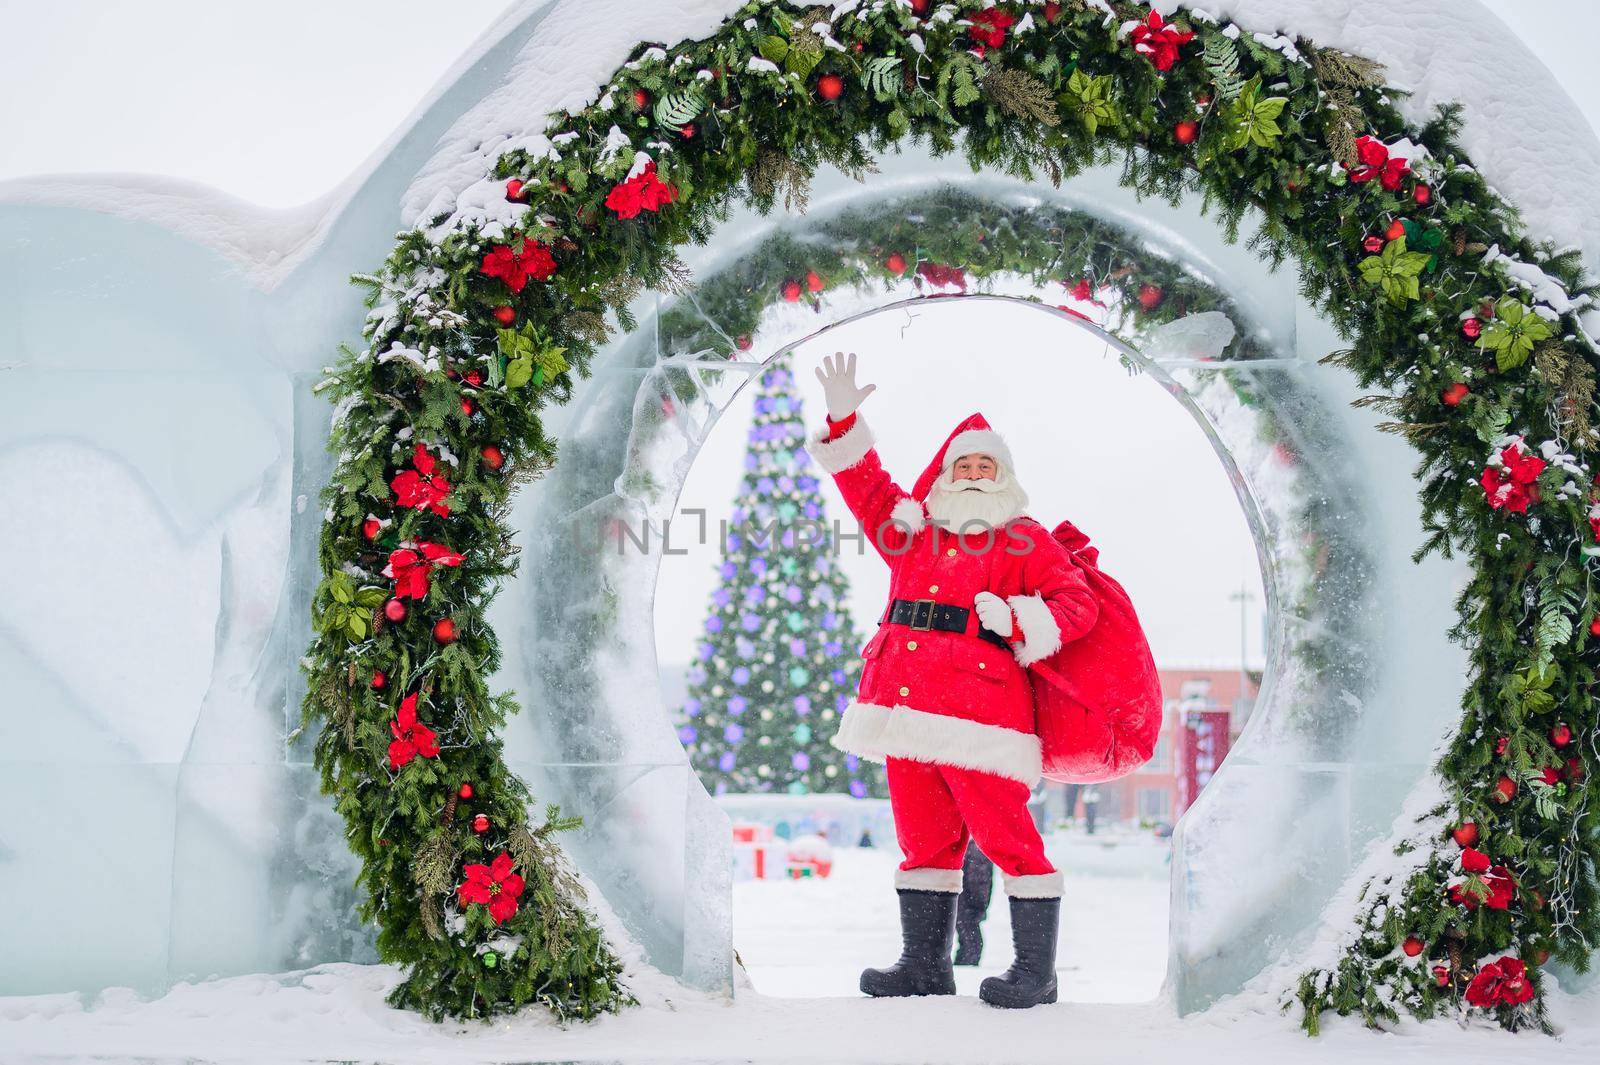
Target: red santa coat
951 698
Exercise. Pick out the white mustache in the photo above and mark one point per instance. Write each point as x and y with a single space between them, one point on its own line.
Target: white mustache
975 484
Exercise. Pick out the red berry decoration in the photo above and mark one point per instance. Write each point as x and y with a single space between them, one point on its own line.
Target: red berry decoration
1505 789
1561 735
687 131
791 290
1412 946
1396 230
895 264
465 791
474 378
492 457
1454 394
1422 194
380 680
506 315
1373 244
814 282
743 342
1575 770
641 99
394 610
1466 833
514 189
1150 296
1594 627
444 631
480 823
1471 328
830 86
371 528
1441 973
467 406
1186 131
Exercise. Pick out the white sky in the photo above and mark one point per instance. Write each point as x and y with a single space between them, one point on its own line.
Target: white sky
276 103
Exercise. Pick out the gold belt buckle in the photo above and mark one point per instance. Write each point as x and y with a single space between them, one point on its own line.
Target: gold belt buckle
916 604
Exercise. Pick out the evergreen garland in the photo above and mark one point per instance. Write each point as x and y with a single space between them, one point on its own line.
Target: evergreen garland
1310 146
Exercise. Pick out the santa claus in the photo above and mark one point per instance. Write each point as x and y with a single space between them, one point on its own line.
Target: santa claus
978 591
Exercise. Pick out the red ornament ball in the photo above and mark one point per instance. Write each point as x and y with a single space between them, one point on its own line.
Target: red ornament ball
1373 244
1594 627
1561 735
492 457
380 680
1150 296
1505 789
1471 328
444 631
814 282
514 190
465 791
467 406
394 610
1412 946
1540 956
919 7
641 99
1575 770
1466 833
1454 394
1422 194
480 823
830 86
791 291
1396 230
474 378
371 528
1052 10
743 342
1441 973
506 315
687 131
1186 131
895 264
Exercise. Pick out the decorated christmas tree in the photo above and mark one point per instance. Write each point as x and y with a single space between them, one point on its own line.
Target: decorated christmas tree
779 657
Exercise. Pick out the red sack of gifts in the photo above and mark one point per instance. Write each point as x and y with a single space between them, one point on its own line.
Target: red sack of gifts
1097 701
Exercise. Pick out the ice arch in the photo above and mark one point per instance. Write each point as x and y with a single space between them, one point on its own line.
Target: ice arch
226 301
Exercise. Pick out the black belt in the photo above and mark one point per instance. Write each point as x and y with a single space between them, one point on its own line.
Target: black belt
925 614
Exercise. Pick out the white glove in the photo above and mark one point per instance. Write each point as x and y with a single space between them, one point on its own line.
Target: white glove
993 612
839 385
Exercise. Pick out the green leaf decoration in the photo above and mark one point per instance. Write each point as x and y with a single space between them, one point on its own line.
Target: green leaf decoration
1252 120
1221 59
676 110
805 52
530 357
958 80
882 77
773 48
1395 270
1513 333
1089 98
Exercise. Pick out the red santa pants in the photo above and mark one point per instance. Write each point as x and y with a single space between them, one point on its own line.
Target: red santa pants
937 808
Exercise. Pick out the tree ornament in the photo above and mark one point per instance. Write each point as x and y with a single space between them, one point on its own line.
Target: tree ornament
1052 11
643 192
830 86
380 680
1441 974
641 99
506 315
1471 328
1466 833
1561 735
1505 789
394 610
1501 744
1159 41
467 406
687 132
791 291
371 528
493 885
503 262
424 487
743 342
1186 131
989 28
492 457
474 378
411 736
919 7
1150 296
1372 244
1396 230
514 189
1422 194
1594 627
814 282
480 823
895 264
444 631
465 791
1454 394
490 960
1412 946
410 567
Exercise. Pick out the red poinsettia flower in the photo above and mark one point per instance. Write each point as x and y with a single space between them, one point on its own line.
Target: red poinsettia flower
643 191
422 487
1509 483
1475 861
411 737
503 262
989 26
493 885
1500 982
1377 163
941 275
409 567
1502 889
1158 40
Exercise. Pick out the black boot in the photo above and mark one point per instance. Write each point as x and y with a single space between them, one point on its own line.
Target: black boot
1032 977
977 885
969 944
927 925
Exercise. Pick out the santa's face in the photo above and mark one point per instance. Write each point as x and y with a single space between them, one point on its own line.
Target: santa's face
974 467
977 493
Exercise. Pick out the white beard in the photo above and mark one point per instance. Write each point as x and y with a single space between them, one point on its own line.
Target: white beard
989 502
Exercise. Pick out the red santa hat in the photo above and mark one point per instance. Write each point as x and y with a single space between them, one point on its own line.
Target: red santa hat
972 436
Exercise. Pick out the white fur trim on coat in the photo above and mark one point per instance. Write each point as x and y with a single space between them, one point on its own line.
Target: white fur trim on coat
1038 886
927 879
842 453
908 512
876 733
1041 636
978 441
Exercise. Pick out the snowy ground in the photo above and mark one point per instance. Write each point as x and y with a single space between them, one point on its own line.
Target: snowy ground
813 937
797 938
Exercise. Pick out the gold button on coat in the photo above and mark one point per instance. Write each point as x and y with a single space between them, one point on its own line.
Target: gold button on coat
911 645
905 691
933 587
950 551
